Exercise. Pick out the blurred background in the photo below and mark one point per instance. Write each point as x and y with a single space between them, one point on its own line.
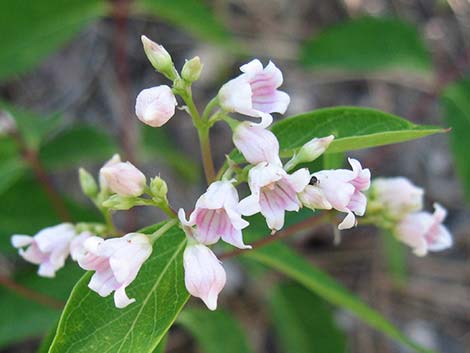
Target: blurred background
69 75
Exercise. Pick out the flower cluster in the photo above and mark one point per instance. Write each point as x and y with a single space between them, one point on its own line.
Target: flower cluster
276 186
397 204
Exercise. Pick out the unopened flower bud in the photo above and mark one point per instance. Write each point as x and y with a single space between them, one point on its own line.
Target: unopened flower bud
192 69
155 106
310 151
113 160
88 183
124 179
121 203
158 188
159 58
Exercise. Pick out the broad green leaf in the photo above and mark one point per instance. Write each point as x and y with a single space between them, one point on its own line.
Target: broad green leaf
303 321
285 260
29 211
368 44
23 318
155 143
31 30
33 127
215 331
192 15
333 160
354 128
456 103
161 346
75 146
47 339
91 323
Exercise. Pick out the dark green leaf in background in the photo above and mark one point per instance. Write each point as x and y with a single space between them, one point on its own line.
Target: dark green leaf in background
22 318
91 323
303 321
31 30
192 15
215 331
368 44
456 103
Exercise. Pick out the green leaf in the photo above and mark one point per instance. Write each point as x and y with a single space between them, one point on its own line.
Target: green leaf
23 318
333 160
192 15
304 324
456 103
160 295
215 331
76 146
29 211
368 44
47 339
354 128
286 261
31 30
161 346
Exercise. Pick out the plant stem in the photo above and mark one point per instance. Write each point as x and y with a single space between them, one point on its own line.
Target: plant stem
214 102
161 231
109 222
309 223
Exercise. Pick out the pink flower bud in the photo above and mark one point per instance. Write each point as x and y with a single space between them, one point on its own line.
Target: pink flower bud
116 263
7 123
158 57
124 179
216 216
397 196
204 275
49 248
273 192
115 159
310 151
256 143
254 93
155 106
424 231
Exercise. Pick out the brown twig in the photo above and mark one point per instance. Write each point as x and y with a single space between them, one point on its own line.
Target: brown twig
31 157
31 294
309 223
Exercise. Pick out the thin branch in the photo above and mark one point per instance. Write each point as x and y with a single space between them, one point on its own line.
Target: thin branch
31 294
309 223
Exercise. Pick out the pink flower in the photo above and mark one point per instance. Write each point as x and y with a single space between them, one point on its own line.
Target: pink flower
273 192
339 189
254 93
115 159
204 275
49 248
256 143
116 262
216 216
155 106
77 245
396 196
424 231
124 179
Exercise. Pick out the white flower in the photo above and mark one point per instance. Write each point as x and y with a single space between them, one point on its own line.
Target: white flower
155 106
115 159
424 231
273 192
254 93
49 248
204 275
116 262
339 189
216 216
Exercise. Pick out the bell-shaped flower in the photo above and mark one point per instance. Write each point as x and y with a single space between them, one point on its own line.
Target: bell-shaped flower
256 143
204 275
340 189
124 179
49 248
216 215
424 231
155 106
273 191
116 263
77 245
396 196
254 93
